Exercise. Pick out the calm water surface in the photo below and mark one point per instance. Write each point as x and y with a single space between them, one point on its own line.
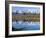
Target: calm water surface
20 25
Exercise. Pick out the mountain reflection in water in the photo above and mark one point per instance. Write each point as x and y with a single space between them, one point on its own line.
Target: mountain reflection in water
22 26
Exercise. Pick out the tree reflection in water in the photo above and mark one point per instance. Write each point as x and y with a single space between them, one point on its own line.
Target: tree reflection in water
21 26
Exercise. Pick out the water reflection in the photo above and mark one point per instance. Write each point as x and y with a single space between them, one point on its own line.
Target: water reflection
21 25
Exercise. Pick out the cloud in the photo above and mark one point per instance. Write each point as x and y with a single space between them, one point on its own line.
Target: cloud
26 9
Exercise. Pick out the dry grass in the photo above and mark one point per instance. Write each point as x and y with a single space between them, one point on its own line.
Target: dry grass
26 17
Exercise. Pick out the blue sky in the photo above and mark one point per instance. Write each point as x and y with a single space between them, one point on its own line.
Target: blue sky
26 9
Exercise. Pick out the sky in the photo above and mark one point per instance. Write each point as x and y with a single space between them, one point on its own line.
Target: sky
26 9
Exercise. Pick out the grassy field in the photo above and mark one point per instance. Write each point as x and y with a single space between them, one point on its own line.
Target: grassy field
26 17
